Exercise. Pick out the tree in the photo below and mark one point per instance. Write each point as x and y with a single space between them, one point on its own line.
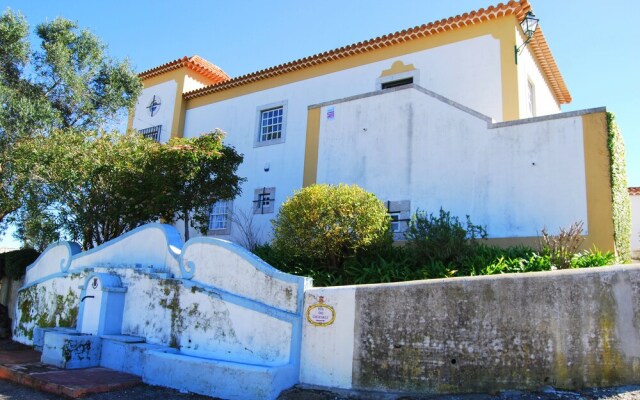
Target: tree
68 83
330 223
96 186
199 172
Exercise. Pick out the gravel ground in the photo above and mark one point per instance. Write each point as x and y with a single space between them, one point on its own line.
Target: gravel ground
12 391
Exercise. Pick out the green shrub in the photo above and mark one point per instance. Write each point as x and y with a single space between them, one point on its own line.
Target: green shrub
592 258
442 238
328 224
503 265
16 262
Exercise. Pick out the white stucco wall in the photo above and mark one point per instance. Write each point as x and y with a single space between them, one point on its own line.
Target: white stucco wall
407 145
635 226
465 71
167 92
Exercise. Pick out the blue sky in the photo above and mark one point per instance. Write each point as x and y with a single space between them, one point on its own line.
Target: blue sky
595 43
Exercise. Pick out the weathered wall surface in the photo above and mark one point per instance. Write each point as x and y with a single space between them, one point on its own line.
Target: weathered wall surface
567 329
206 298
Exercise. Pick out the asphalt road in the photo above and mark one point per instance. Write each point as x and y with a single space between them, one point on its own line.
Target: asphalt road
12 391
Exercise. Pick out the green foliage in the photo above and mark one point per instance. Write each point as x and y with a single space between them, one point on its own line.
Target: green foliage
95 186
328 224
592 258
621 202
196 173
67 83
16 262
443 238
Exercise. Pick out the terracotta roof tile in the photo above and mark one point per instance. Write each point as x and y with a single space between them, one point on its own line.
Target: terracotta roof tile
195 63
634 191
538 46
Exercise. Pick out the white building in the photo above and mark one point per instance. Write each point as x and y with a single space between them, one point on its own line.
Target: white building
457 114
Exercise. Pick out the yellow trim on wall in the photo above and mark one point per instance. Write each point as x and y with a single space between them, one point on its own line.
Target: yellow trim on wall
397 67
311 147
598 176
506 33
501 28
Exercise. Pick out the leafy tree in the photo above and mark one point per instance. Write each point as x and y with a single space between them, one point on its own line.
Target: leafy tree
197 173
95 186
67 83
330 223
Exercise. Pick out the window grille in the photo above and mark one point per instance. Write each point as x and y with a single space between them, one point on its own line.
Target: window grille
152 133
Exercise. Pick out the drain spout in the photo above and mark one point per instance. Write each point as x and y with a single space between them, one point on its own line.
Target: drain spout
87 297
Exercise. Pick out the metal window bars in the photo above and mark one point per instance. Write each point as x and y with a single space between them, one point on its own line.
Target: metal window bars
152 133
263 200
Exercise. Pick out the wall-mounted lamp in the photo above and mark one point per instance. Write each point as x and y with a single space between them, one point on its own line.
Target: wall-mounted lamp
529 26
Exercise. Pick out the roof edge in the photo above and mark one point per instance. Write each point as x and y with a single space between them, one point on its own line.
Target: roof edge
518 9
194 63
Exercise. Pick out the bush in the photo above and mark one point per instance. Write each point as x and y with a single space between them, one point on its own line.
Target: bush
592 258
442 239
562 247
327 224
16 262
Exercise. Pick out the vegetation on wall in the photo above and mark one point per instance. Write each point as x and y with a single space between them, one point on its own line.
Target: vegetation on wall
621 202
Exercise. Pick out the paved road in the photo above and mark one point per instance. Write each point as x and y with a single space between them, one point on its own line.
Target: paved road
12 391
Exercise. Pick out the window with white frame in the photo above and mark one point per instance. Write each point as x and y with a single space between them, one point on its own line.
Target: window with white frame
264 200
220 217
531 98
271 122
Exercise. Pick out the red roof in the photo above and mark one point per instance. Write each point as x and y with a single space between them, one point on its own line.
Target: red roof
195 63
634 191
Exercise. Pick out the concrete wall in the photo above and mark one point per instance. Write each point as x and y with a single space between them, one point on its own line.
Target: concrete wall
567 329
635 225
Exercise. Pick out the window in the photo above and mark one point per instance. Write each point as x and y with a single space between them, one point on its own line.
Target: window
398 79
264 200
152 133
531 98
400 214
395 222
271 124
220 218
399 82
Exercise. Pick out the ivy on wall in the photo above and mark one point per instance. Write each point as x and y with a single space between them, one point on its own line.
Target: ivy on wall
621 202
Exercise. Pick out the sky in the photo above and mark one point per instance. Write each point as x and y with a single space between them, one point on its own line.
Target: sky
595 43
